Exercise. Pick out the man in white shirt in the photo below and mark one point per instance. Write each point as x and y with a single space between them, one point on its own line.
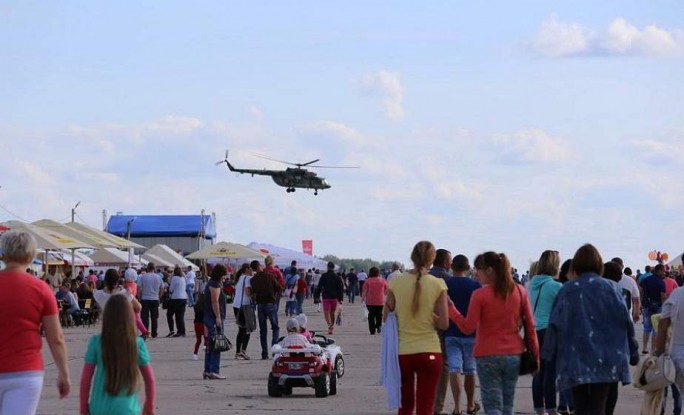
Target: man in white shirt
628 283
395 271
53 279
362 276
190 286
673 316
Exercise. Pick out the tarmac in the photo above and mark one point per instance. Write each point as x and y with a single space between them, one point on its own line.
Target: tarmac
181 390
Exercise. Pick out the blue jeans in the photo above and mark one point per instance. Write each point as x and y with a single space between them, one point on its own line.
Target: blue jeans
191 296
300 302
290 307
267 311
212 360
459 351
498 376
351 292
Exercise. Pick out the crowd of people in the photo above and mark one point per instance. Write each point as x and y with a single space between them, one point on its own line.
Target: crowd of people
455 325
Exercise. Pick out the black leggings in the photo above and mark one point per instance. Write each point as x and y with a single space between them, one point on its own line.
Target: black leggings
591 398
242 336
374 318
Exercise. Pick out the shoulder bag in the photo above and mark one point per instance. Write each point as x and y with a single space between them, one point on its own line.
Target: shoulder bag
528 363
219 342
246 317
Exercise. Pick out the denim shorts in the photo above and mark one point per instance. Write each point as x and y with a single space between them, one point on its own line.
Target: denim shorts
646 314
459 352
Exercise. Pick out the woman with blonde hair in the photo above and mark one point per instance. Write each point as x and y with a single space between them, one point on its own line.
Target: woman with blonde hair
420 303
496 311
26 303
543 289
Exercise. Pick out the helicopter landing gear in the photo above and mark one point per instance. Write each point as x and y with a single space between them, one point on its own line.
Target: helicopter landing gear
290 190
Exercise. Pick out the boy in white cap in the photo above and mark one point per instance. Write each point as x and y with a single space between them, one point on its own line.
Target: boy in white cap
294 338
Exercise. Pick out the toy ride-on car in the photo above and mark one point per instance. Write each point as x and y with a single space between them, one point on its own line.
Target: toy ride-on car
318 366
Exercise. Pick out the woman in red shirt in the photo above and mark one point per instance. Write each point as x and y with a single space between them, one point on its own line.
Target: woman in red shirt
495 311
25 303
374 292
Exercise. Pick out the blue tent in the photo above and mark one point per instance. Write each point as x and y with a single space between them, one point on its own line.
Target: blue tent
162 225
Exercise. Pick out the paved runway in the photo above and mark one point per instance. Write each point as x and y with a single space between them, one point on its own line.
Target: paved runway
181 390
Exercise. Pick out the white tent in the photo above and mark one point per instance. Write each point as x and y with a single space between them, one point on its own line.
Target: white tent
677 261
81 260
114 257
157 261
168 255
283 257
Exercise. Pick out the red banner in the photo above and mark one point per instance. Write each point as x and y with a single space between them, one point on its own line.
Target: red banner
307 246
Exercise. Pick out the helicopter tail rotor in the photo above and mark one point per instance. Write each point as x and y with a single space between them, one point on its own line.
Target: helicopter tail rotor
225 160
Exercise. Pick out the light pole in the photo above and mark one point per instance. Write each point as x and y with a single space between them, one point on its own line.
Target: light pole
128 236
73 250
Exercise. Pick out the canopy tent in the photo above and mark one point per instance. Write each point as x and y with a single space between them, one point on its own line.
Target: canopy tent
162 225
74 233
283 257
677 261
158 262
66 258
114 257
47 238
116 241
226 250
170 256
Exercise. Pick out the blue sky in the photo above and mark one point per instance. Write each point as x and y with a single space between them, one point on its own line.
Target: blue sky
512 126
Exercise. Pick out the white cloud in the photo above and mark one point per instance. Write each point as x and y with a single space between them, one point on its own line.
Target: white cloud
659 151
256 113
332 130
561 39
555 38
533 146
388 86
623 38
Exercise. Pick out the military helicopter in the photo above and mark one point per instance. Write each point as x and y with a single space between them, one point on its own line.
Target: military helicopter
291 178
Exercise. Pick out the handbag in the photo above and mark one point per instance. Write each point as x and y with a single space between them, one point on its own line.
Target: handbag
655 373
528 363
219 343
246 316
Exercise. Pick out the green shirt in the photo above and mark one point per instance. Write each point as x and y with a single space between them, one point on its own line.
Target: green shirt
100 401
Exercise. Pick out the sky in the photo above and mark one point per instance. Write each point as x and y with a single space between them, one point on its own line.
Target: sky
506 126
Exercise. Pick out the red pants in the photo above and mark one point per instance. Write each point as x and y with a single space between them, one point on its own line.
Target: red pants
199 334
419 377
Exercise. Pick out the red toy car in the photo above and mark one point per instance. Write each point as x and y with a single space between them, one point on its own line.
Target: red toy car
296 367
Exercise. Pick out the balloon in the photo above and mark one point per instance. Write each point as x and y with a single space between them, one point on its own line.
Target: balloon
652 255
664 256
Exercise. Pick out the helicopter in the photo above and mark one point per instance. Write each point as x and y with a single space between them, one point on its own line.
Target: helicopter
291 178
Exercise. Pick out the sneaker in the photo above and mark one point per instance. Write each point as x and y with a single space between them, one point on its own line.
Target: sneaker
194 357
171 334
178 335
243 355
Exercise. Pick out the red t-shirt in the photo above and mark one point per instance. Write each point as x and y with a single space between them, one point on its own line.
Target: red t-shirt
301 285
24 301
670 285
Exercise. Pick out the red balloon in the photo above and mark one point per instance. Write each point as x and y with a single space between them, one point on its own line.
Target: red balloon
664 256
653 255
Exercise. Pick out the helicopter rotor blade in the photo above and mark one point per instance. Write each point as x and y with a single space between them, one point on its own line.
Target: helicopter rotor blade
261 156
218 163
309 163
335 167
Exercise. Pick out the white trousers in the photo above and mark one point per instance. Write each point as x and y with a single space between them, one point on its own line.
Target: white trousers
20 393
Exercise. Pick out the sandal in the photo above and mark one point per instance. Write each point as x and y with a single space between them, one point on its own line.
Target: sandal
475 409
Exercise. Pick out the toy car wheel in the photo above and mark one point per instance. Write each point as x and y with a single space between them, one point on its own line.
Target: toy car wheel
322 385
339 366
274 389
333 383
287 390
